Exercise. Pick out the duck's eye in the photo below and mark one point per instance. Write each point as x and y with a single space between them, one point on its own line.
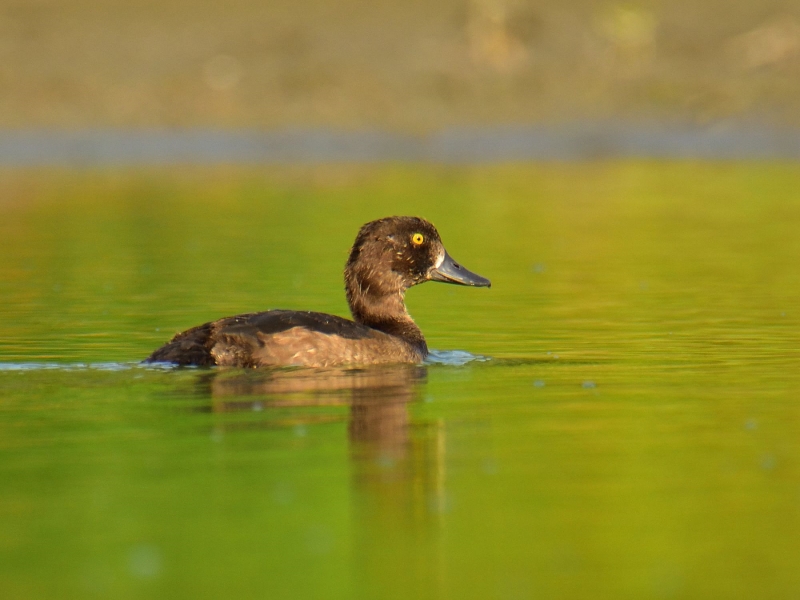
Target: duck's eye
417 239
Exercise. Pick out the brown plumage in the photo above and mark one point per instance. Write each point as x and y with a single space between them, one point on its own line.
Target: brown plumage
388 256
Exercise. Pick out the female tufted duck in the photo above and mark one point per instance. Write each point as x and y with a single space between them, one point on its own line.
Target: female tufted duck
389 256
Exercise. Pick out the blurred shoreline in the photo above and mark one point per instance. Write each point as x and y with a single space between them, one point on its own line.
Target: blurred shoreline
395 66
458 145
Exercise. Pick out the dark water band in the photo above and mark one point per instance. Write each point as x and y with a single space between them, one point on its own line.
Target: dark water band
573 141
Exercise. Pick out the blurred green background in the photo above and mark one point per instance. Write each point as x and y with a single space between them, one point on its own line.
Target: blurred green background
407 65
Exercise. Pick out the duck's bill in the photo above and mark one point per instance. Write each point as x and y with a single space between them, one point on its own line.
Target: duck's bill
452 272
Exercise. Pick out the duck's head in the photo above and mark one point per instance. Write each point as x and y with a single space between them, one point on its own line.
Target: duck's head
390 255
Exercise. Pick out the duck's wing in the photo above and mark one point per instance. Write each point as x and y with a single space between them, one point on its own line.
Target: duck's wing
238 340
271 322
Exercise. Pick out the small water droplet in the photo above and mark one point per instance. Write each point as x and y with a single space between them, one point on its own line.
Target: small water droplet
538 383
282 494
588 385
300 431
439 503
319 540
385 461
144 561
768 462
751 424
538 268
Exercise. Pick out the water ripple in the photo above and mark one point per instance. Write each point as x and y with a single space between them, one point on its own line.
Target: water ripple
454 358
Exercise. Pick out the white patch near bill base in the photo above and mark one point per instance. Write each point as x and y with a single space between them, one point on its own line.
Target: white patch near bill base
439 260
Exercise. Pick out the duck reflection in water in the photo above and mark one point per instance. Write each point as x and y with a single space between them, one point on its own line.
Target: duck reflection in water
379 428
397 461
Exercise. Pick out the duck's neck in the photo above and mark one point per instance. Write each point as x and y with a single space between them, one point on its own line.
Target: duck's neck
383 311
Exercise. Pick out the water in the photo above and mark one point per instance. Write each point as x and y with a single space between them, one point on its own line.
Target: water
463 145
615 418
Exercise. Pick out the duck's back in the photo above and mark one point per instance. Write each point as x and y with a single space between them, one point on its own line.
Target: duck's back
285 338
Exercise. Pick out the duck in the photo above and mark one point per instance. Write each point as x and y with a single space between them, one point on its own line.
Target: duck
388 257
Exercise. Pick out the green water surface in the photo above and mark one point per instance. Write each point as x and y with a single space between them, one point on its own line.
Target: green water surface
634 432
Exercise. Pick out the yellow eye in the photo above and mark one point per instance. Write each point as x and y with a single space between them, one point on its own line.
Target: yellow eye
417 239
